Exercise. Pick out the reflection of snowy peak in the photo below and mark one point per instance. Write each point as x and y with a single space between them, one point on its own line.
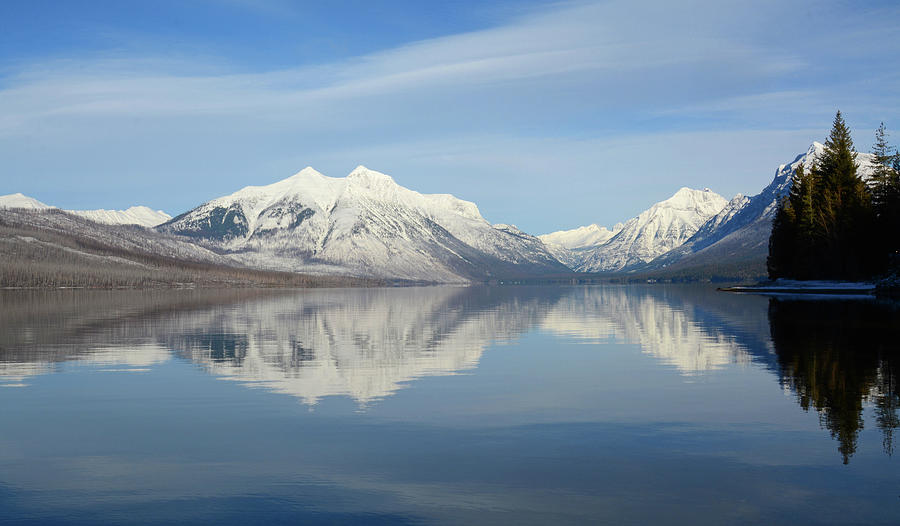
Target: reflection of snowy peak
136 215
655 231
365 344
362 224
671 332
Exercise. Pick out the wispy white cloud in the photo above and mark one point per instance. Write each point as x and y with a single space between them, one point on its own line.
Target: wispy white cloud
593 40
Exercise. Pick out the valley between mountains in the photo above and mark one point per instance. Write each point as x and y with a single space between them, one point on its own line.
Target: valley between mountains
310 228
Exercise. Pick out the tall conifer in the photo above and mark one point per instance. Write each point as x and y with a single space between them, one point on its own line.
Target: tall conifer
825 228
886 193
845 207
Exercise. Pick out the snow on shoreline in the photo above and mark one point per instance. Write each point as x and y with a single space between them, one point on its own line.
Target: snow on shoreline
789 286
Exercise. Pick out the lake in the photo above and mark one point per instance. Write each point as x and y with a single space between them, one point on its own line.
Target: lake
667 404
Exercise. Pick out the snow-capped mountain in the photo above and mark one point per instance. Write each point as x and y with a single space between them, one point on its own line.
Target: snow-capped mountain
581 237
136 215
572 246
740 231
18 200
655 231
362 224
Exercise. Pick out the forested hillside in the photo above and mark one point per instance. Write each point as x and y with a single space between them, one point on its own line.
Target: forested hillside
55 249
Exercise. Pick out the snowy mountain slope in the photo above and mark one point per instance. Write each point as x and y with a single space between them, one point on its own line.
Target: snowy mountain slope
91 235
572 246
362 224
740 232
135 215
52 248
655 231
18 200
581 237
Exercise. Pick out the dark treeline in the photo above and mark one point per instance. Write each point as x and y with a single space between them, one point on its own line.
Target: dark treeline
836 356
833 224
747 270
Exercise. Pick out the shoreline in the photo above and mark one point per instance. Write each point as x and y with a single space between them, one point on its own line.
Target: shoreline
839 288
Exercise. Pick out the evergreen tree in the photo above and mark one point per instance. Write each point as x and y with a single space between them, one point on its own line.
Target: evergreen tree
845 208
886 193
881 177
838 162
795 243
780 262
824 228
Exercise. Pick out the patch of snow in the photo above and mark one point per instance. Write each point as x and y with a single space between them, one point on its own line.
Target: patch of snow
581 237
136 215
19 200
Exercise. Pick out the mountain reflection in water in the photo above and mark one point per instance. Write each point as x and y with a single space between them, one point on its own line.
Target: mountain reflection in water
362 343
366 344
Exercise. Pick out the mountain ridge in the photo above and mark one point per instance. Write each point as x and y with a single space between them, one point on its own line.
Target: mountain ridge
660 228
366 224
361 224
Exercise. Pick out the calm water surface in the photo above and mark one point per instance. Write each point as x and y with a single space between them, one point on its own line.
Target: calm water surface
445 405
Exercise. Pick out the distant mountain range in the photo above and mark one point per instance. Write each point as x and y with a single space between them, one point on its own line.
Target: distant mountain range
136 215
690 231
738 236
657 230
366 225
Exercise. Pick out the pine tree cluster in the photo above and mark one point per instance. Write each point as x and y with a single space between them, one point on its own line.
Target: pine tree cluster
833 225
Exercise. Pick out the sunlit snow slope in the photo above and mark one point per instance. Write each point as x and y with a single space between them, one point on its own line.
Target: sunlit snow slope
136 215
21 201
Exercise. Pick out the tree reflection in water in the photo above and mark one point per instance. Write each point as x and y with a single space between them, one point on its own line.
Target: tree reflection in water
835 356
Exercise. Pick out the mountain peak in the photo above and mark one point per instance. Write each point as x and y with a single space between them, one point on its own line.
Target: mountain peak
19 200
657 230
362 224
581 237
368 177
684 190
309 171
689 198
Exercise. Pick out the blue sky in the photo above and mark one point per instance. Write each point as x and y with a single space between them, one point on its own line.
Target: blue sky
547 115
